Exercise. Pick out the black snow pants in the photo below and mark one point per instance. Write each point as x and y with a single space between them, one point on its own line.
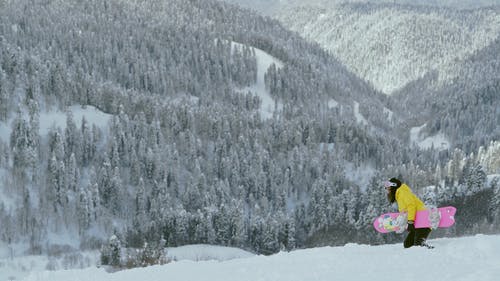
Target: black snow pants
417 237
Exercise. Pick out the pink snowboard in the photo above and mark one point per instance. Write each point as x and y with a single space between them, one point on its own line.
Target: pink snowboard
397 221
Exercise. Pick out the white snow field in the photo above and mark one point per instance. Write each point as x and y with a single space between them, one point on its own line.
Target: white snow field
474 258
57 119
438 141
264 61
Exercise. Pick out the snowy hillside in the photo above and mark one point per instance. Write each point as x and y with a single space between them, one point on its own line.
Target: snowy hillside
264 60
439 141
269 146
391 46
55 119
468 258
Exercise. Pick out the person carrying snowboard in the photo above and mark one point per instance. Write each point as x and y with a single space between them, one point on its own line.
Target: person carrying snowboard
408 203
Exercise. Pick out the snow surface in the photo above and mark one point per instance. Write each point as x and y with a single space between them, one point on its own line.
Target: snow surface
438 141
57 119
264 61
458 259
332 103
206 252
359 117
14 267
390 114
4 132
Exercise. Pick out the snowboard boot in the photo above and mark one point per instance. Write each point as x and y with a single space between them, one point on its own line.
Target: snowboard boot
421 237
425 244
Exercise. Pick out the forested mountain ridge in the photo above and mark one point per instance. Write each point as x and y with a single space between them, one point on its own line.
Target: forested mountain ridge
274 7
440 65
467 110
185 148
186 156
392 45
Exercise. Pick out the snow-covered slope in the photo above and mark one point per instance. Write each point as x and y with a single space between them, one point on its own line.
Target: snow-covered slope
438 141
205 252
392 45
57 119
468 258
264 61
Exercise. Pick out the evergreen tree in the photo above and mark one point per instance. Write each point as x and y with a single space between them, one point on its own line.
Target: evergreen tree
111 252
87 146
376 201
495 201
22 144
475 179
56 179
141 203
84 210
4 96
72 174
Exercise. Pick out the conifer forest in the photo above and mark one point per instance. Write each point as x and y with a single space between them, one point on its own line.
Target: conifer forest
184 152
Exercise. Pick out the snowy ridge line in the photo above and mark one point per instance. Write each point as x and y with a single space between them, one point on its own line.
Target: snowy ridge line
391 46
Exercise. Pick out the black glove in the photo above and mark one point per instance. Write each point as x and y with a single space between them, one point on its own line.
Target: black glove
411 227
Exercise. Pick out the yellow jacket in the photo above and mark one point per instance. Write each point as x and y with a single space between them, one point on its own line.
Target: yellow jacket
408 202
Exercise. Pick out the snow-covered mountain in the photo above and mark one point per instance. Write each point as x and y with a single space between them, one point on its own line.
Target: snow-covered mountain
205 123
466 259
438 61
466 111
392 45
193 113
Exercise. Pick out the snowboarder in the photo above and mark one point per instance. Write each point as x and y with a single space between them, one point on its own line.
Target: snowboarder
409 203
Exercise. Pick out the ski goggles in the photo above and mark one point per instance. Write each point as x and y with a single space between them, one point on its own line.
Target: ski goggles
388 184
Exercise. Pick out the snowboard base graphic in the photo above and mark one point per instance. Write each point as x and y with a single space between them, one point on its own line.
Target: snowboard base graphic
433 218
